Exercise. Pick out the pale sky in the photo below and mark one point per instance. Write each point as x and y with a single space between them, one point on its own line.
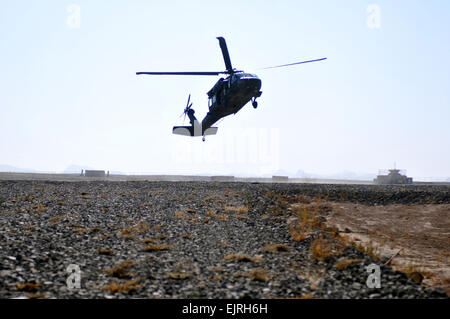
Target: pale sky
70 95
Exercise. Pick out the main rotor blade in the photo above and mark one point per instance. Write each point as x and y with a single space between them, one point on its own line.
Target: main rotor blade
226 55
279 66
180 73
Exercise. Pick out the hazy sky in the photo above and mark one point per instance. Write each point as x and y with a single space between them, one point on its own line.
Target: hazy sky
70 95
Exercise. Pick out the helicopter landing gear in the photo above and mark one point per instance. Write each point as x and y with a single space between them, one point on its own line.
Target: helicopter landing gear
254 103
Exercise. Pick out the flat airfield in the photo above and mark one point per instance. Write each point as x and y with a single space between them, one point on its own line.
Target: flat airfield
165 237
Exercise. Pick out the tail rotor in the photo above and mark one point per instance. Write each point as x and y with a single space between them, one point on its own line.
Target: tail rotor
188 109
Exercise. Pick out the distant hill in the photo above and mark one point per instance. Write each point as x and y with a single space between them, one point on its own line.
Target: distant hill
353 176
345 175
75 169
13 169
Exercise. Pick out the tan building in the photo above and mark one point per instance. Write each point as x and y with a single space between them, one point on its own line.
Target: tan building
394 177
94 173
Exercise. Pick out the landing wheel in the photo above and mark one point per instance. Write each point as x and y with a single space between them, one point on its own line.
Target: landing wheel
255 104
203 138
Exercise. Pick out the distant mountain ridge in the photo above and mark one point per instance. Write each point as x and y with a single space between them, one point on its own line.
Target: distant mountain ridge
74 169
13 169
344 175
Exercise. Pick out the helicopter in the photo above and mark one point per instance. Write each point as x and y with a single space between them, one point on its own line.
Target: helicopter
227 96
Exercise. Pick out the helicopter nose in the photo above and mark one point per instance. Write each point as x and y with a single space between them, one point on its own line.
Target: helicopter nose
251 83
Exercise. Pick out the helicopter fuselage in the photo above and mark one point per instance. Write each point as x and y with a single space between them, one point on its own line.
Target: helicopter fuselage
229 95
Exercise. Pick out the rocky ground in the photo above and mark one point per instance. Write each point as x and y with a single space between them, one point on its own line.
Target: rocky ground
192 240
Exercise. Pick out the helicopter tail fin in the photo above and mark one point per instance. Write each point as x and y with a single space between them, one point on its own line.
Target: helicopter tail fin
192 131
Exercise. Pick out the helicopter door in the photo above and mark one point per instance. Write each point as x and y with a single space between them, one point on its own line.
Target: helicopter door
219 97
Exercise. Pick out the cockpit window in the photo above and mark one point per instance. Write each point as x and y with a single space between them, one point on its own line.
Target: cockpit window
247 75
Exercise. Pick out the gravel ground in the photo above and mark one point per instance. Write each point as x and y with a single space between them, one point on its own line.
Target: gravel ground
185 240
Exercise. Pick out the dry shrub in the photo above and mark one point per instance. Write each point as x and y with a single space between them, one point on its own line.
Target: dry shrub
307 220
126 287
74 225
258 274
140 228
121 270
179 215
80 230
156 247
276 210
148 240
223 216
28 228
178 275
416 273
107 252
345 262
129 236
306 216
275 248
210 213
300 232
302 199
240 209
242 257
322 249
241 216
194 219
28 287
369 249
216 278
39 208
187 236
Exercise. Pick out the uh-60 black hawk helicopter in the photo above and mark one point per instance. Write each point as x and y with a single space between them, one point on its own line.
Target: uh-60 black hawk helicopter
226 97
